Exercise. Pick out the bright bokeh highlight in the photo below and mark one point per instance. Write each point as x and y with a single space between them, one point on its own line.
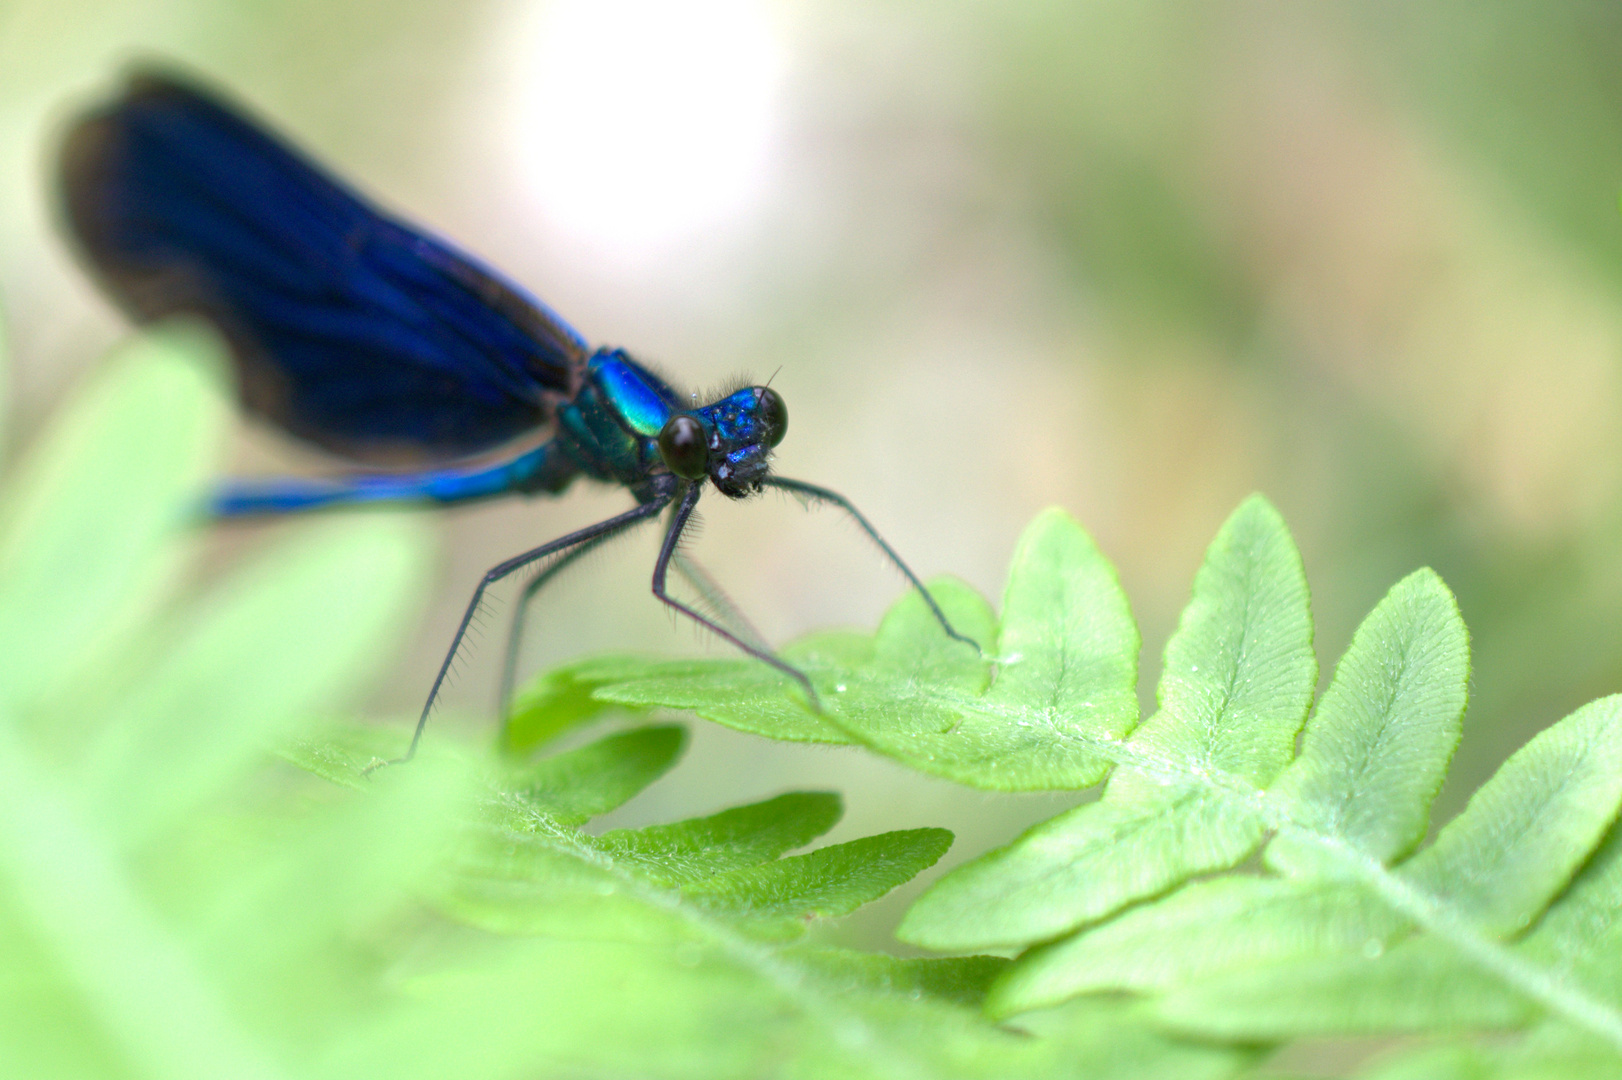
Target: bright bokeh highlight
646 123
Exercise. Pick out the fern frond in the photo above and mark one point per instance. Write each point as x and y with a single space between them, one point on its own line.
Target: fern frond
1347 925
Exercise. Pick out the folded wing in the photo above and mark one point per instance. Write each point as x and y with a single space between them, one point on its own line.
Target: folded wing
347 328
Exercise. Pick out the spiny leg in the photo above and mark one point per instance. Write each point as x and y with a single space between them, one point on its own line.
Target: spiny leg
592 532
812 491
515 636
661 568
719 605
714 600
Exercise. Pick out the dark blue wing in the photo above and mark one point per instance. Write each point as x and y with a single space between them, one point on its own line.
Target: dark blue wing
347 328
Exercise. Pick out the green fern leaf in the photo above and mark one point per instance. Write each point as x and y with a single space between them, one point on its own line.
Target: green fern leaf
825 883
576 786
1377 749
559 700
528 862
1238 678
690 851
1525 833
1066 651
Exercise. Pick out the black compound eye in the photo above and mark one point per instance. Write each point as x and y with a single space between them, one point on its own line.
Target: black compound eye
681 444
773 414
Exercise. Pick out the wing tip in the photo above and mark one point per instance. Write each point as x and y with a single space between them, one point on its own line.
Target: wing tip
145 78
87 159
93 160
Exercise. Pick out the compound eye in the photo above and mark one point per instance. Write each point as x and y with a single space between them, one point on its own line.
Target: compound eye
773 414
681 444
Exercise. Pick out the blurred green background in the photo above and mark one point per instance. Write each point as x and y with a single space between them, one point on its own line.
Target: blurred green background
1136 259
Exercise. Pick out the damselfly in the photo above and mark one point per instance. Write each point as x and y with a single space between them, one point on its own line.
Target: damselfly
380 343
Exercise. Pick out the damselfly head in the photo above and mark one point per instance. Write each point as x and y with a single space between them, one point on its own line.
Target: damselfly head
730 441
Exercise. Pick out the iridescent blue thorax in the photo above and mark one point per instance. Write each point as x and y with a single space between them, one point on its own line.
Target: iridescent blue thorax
626 426
610 429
